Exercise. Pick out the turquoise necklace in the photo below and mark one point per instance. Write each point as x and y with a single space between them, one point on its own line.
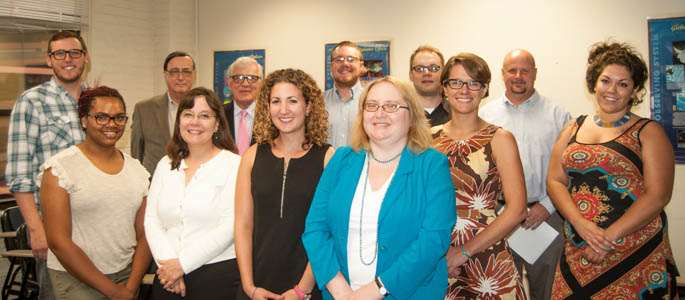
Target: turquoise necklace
618 123
361 214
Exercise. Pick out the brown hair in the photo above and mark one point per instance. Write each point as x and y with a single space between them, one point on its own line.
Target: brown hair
65 35
347 44
426 48
607 53
473 64
177 149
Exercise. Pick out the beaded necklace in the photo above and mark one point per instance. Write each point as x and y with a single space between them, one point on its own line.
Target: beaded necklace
618 123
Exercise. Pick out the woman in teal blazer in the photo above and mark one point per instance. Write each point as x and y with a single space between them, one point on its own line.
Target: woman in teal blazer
417 211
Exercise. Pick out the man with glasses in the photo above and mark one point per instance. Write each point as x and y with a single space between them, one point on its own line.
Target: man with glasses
44 121
536 122
244 79
425 66
154 118
342 100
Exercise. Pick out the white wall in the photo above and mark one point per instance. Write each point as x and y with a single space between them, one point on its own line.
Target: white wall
558 33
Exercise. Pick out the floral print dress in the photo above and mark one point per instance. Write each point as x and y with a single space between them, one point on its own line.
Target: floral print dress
490 274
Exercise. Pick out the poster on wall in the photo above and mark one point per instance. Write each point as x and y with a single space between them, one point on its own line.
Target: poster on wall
224 59
376 61
667 65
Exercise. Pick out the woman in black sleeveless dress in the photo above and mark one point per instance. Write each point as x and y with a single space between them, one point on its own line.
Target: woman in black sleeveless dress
276 183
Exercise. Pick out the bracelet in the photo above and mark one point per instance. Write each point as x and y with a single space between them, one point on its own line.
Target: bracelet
464 252
298 292
253 291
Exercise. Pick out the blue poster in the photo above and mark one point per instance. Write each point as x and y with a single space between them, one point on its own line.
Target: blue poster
224 59
376 61
667 78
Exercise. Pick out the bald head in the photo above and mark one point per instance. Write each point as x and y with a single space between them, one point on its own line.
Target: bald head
519 73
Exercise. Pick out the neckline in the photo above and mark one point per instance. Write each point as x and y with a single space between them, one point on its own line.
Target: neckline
271 151
90 162
444 134
575 135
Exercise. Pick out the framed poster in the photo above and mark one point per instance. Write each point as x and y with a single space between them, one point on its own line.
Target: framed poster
223 60
376 61
667 79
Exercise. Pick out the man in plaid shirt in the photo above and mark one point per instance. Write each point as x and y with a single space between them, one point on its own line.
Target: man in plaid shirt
45 121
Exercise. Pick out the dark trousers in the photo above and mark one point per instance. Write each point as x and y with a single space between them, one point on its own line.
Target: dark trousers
219 280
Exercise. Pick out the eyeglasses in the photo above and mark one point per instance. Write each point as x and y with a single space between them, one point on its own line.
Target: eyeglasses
62 54
189 116
456 84
240 78
349 59
177 72
389 108
421 69
104 119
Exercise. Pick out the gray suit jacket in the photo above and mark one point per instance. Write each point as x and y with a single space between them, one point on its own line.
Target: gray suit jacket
150 131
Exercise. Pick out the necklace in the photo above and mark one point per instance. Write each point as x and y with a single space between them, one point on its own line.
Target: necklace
618 123
384 161
361 217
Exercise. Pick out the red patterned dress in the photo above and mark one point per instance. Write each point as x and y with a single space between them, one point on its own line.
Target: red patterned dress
490 274
605 179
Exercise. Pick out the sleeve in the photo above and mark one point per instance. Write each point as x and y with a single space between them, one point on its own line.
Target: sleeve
63 179
423 255
154 229
137 139
561 118
22 140
216 239
317 237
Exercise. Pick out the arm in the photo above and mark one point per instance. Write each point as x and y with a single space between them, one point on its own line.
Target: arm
27 206
658 165
155 231
57 214
141 256
137 139
557 188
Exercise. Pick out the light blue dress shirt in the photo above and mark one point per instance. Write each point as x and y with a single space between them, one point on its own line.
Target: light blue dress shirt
341 114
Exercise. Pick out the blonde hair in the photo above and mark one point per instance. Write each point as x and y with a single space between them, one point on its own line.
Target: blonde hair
419 136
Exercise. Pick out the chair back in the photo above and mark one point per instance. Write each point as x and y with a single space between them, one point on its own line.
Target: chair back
10 221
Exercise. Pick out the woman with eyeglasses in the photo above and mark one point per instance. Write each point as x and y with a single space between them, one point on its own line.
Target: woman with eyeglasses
276 183
93 202
380 222
189 217
484 163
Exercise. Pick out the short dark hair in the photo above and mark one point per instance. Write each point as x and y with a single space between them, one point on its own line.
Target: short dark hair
473 64
177 148
85 101
607 53
65 35
347 44
175 54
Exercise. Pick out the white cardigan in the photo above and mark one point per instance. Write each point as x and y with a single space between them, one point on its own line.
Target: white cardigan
193 223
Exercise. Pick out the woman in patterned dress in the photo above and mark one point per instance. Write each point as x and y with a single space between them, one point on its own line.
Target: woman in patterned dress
484 162
611 176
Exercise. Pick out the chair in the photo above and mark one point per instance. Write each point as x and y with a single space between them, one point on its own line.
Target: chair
20 258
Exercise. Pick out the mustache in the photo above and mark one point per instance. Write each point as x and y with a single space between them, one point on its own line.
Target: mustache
518 82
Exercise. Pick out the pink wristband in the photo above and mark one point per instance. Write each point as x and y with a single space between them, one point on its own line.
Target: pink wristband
298 292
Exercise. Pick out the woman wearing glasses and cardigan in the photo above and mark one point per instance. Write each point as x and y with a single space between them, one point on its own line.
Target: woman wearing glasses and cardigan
380 222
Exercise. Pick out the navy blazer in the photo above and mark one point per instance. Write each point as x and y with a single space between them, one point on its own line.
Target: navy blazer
414 225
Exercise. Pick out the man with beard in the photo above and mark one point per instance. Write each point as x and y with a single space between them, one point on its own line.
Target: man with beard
536 122
342 100
154 118
425 65
244 79
44 121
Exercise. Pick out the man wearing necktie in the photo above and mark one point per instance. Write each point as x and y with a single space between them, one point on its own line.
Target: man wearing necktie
244 78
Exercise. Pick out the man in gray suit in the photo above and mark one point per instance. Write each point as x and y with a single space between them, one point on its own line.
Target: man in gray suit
154 118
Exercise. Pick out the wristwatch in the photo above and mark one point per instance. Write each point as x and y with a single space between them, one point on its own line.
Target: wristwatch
381 288
300 294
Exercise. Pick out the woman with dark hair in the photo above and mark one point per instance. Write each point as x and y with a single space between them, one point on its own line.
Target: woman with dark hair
93 203
276 183
610 176
485 164
189 219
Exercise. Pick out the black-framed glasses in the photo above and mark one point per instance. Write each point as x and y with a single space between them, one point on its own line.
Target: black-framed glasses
349 59
176 72
249 78
62 54
389 107
104 119
421 68
456 84
203 116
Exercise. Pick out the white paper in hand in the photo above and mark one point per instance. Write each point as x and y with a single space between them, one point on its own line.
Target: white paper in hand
529 243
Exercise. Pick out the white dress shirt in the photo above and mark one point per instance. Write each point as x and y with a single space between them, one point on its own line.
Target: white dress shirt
193 223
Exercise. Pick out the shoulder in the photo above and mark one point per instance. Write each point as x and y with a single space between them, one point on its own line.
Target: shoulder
36 93
491 107
66 155
503 136
152 102
431 155
135 165
229 157
343 155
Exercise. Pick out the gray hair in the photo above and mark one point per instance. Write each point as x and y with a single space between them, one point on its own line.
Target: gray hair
244 61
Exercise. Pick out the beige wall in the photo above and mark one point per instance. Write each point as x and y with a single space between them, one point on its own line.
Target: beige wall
558 33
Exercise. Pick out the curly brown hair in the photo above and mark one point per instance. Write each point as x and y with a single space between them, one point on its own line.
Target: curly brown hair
607 53
316 123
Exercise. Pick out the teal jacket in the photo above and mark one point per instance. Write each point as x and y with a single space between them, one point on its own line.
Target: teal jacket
414 225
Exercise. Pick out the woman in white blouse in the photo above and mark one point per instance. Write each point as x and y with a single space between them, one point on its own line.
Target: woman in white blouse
189 217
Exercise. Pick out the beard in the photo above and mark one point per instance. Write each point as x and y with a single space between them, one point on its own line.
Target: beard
63 78
518 90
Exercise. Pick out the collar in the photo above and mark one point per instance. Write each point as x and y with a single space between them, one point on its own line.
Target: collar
60 89
355 91
250 109
527 103
171 101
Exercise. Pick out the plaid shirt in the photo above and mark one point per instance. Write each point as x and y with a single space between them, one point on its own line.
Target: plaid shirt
44 121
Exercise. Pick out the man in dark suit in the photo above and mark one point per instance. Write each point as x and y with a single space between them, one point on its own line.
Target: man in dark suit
244 79
154 118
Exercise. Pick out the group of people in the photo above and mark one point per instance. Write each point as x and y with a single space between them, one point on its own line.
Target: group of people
391 190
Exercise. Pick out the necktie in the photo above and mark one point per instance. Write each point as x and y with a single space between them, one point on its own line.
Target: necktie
243 134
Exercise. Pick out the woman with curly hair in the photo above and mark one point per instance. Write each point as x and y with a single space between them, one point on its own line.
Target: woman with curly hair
285 165
611 178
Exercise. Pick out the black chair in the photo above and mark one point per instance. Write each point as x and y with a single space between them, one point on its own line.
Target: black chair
21 277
